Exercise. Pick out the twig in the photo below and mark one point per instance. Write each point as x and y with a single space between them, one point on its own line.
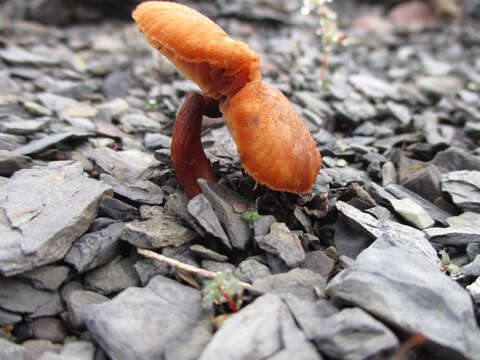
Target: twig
185 267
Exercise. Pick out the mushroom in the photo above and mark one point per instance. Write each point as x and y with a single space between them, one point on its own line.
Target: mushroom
274 146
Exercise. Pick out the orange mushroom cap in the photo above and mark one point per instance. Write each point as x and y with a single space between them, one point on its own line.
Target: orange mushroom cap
274 145
198 47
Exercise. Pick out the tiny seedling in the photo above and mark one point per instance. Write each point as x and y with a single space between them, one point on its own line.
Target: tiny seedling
223 289
448 267
251 215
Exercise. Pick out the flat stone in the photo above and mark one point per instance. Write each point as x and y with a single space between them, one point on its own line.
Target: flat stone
352 334
455 158
464 188
455 236
349 241
399 287
133 123
250 270
142 191
46 142
10 350
31 199
95 248
413 213
35 349
148 268
116 108
344 176
74 350
128 165
222 199
117 209
157 141
113 277
208 254
373 87
390 141
148 323
19 297
400 112
264 329
10 142
261 227
472 268
47 328
434 211
405 237
47 277
355 111
439 85
78 302
217 266
178 204
20 56
425 182
116 85
201 209
9 163
474 289
284 243
161 231
467 219
7 318
318 262
18 126
389 174
299 282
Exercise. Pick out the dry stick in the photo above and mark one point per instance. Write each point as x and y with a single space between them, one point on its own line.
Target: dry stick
186 267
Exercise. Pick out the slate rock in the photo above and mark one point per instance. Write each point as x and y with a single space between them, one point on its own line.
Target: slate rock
467 219
161 231
355 111
425 182
400 112
389 174
7 318
19 297
128 165
261 227
439 85
161 320
10 350
35 349
352 334
284 243
250 270
474 289
47 277
18 126
217 266
344 176
455 158
115 85
20 56
157 141
299 282
349 241
117 210
464 188
434 211
95 248
402 289
46 142
29 202
9 163
113 277
78 302
373 87
207 254
10 142
148 268
264 329
472 268
201 209
406 237
133 123
81 350
456 236
413 213
318 262
178 204
47 328
222 199
143 192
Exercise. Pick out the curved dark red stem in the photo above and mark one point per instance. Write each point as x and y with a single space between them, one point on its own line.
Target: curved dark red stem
188 157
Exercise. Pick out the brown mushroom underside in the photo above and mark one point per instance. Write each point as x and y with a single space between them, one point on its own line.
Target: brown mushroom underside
275 147
198 47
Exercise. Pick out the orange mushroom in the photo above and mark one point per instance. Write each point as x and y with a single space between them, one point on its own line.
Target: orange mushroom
274 146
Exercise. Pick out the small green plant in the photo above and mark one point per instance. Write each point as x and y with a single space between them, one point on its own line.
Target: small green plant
251 215
448 267
152 104
223 289
328 30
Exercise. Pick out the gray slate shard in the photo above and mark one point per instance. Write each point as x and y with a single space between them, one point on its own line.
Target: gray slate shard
454 159
473 268
344 176
402 289
10 350
355 111
157 141
11 142
348 241
20 56
78 302
222 200
318 262
45 142
113 277
469 219
178 204
18 126
352 334
425 182
9 163
46 328
457 236
207 254
464 188
19 297
373 87
163 320
433 210
160 231
117 209
47 277
264 329
95 248
7 318
143 191
284 243
29 202
201 209
412 213
299 282
250 270
261 227
406 237
148 268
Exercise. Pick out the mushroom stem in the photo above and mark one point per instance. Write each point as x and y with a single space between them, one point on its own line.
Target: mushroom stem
188 157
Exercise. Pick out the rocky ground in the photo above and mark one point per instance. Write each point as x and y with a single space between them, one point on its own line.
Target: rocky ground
349 271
